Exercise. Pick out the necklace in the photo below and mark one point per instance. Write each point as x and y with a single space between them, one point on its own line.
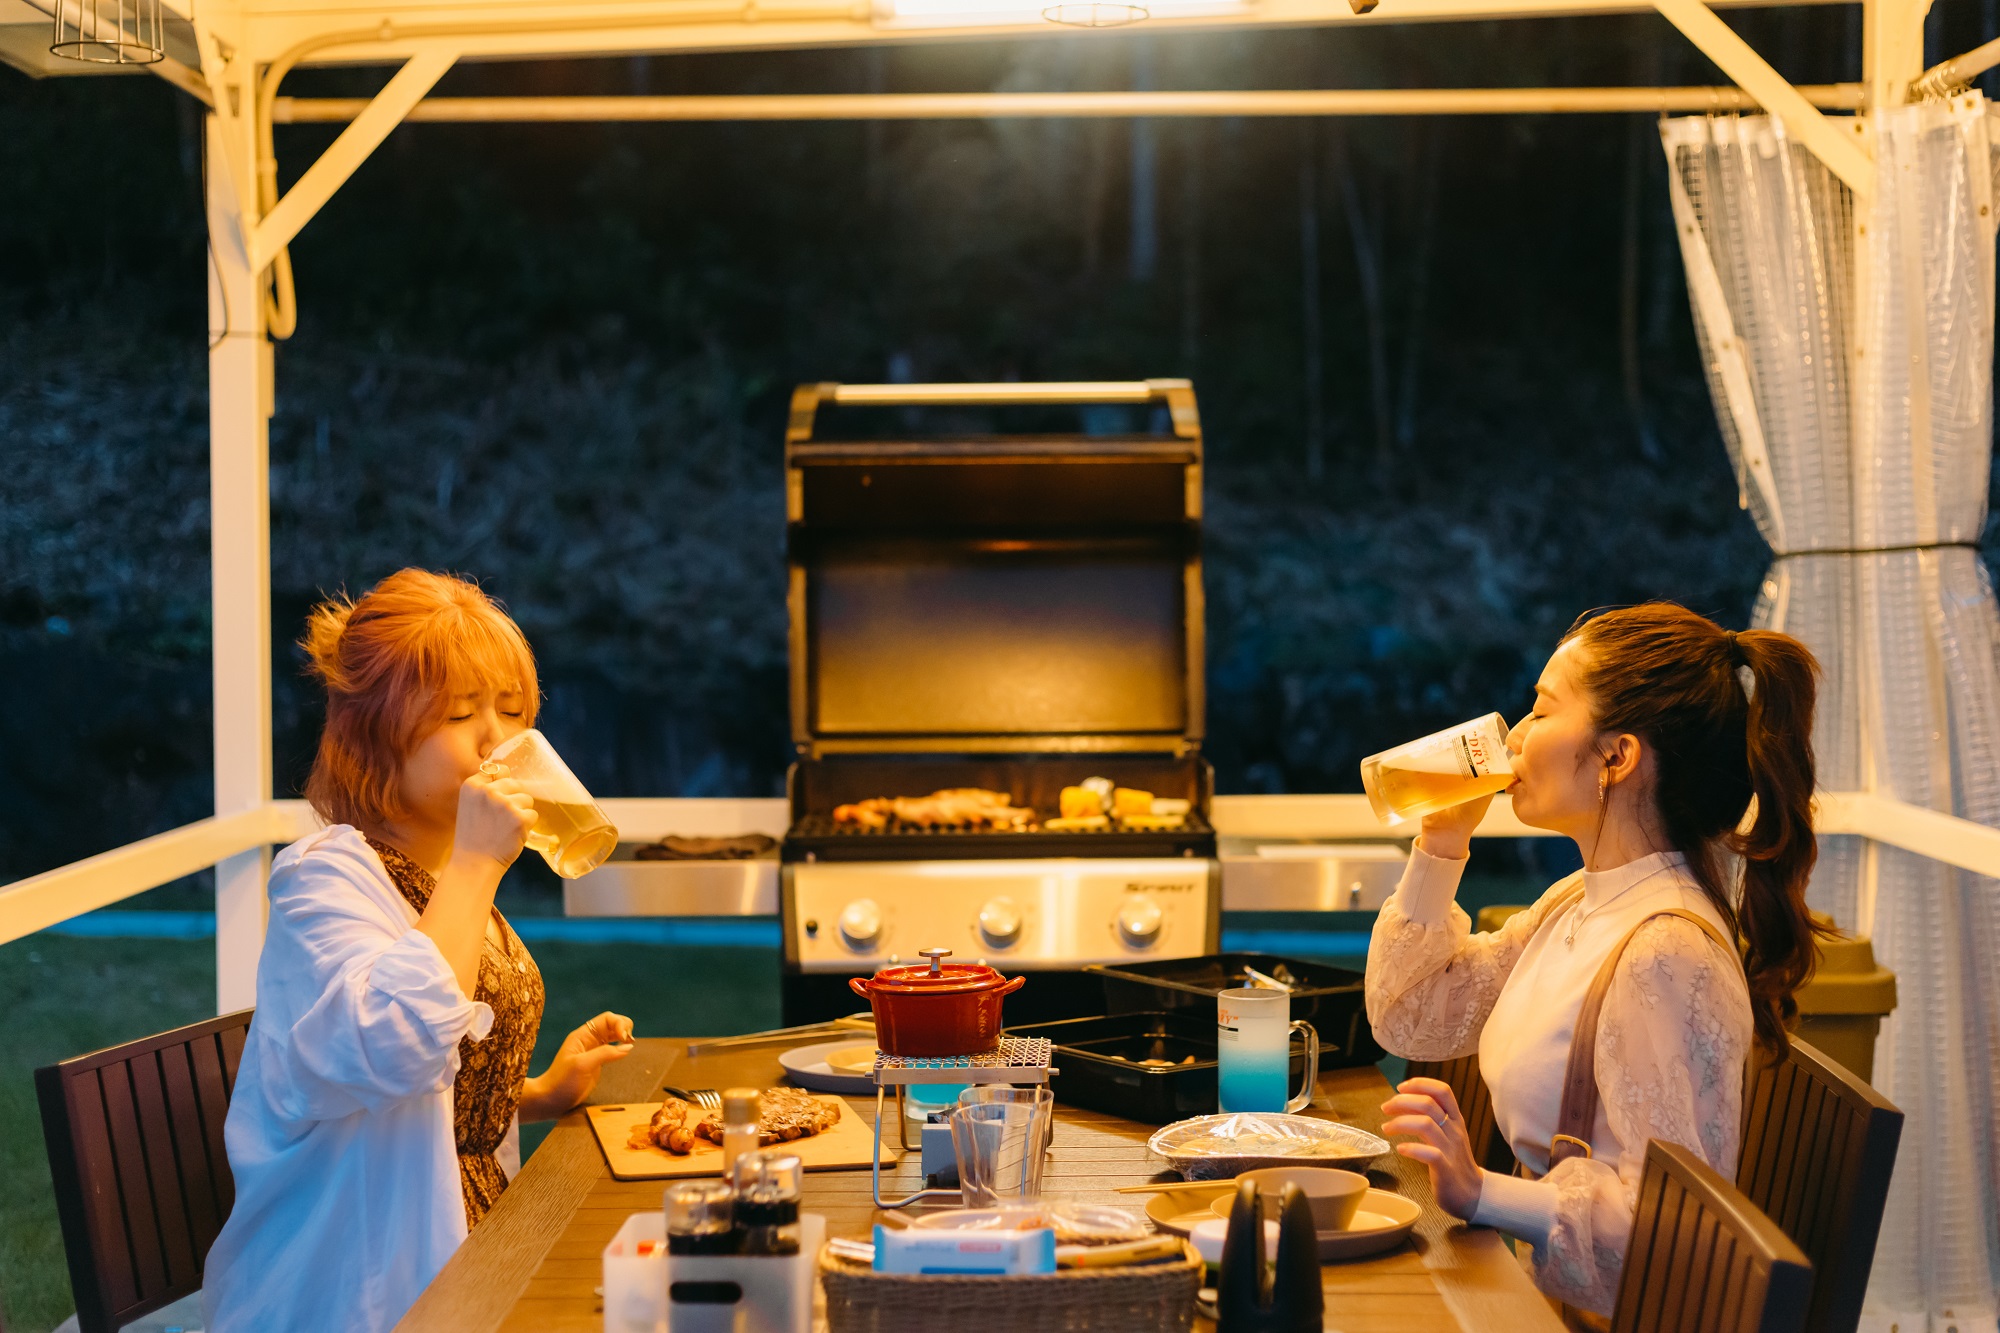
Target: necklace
1577 919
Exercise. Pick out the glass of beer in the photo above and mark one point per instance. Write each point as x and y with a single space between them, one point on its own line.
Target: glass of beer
1447 768
571 831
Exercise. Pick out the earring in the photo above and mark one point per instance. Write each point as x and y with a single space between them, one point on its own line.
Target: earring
1604 787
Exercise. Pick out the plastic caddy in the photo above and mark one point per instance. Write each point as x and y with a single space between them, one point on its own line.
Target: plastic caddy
656 1292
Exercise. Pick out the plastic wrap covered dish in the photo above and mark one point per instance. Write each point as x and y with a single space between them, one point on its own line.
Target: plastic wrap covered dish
1218 1147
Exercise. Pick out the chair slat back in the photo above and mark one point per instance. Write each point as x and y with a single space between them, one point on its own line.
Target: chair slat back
134 1136
1819 1146
1703 1259
1475 1103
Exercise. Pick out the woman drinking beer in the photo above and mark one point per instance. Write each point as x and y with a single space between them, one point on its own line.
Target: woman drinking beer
1652 732
396 1010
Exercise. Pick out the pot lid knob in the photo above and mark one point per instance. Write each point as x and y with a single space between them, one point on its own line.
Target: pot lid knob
937 957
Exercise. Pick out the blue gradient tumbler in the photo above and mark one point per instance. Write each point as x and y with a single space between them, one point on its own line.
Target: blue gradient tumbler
1253 1033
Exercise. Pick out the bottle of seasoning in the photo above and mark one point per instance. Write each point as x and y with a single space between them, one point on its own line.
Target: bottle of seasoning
767 1186
740 1110
700 1218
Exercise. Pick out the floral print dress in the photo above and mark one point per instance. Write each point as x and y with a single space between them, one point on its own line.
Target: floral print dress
487 1091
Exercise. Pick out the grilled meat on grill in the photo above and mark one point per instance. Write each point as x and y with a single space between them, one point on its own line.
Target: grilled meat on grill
952 807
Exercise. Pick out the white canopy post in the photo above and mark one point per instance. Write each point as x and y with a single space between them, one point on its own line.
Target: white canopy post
239 419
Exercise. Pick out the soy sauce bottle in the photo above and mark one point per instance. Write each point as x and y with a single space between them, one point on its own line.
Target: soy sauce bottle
701 1218
767 1184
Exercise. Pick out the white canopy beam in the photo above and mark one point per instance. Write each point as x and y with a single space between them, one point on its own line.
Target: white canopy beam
1840 149
532 29
1082 105
381 115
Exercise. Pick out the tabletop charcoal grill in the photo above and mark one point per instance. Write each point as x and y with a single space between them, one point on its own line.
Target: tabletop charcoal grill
993 587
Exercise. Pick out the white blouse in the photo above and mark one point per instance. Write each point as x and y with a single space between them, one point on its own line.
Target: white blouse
1671 1042
340 1125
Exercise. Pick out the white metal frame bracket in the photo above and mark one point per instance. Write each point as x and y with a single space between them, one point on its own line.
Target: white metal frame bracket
1842 151
417 77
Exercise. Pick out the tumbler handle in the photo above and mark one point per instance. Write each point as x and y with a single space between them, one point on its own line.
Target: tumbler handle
1311 1081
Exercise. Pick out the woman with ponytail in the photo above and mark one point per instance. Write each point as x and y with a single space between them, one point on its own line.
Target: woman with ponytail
372 1116
1621 1007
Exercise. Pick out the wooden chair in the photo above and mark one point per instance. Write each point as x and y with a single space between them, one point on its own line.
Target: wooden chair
142 1185
1819 1146
1703 1259
1475 1103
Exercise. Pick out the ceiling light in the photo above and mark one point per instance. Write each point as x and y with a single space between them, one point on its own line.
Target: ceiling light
1074 13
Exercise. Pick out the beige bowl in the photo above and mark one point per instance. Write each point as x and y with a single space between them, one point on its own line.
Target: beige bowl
1333 1195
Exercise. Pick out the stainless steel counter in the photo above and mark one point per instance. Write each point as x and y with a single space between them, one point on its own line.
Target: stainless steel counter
1277 878
1279 854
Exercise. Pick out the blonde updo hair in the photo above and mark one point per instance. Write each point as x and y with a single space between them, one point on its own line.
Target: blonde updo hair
391 662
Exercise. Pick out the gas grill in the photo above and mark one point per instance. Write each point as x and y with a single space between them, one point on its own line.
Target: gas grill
993 586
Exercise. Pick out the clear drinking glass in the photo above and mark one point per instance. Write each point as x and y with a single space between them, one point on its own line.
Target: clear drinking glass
1253 1035
1000 1135
571 831
1438 771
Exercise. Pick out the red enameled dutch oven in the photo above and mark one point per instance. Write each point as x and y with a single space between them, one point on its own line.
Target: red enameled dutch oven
936 1009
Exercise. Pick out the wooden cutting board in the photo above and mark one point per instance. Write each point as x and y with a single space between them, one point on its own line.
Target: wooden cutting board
848 1144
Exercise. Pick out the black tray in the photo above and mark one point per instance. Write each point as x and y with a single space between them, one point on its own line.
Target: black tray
1328 997
1091 1074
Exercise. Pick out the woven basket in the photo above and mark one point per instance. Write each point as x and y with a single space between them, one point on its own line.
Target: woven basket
1072 1300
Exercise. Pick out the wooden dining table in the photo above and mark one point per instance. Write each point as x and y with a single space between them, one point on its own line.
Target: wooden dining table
534 1264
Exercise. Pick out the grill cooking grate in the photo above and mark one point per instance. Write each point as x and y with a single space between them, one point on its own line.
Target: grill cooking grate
823 826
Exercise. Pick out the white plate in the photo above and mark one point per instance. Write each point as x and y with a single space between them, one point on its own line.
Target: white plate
808 1068
1178 1210
1379 1224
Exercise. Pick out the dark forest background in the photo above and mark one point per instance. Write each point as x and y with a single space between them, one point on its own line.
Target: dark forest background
1445 366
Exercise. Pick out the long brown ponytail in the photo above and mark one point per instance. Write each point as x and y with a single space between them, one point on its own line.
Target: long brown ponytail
1676 680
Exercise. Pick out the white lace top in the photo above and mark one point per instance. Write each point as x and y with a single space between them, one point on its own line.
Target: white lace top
1671 1042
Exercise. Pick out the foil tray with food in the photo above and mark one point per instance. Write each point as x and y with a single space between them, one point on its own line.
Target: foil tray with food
1219 1147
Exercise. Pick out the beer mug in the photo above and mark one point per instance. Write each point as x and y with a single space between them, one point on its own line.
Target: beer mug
1444 769
571 831
1253 1038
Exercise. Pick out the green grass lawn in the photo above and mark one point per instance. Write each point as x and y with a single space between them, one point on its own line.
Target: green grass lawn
62 996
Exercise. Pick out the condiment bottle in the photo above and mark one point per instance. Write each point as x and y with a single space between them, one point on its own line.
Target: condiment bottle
767 1184
700 1218
740 1111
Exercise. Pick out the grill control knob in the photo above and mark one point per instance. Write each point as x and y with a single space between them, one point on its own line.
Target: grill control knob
861 925
1000 923
1139 922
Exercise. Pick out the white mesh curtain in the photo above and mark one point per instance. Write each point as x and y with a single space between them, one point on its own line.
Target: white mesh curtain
1857 407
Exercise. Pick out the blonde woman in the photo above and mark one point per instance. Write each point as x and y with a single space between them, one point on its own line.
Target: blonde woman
396 1010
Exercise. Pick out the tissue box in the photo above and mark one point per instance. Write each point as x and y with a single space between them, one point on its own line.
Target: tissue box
964 1253
647 1290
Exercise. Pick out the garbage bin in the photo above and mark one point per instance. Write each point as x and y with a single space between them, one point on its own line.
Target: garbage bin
1842 1007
